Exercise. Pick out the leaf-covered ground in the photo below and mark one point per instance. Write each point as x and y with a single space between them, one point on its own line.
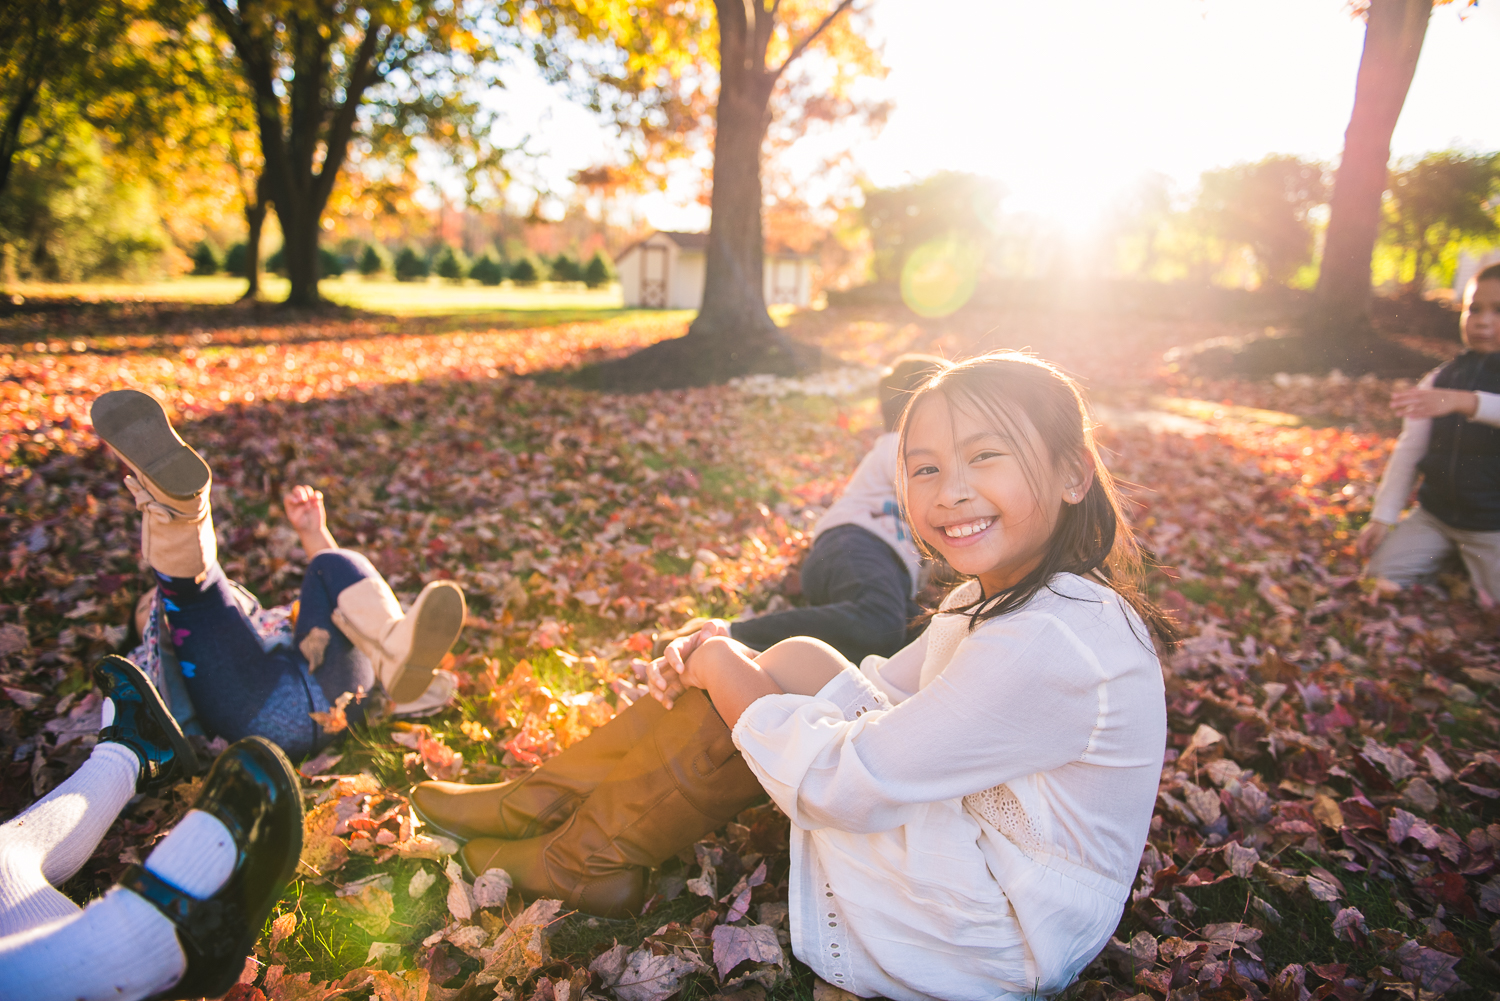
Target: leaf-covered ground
1328 818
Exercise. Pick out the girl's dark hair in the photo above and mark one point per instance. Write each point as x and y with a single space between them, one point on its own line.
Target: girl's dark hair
1489 274
1090 539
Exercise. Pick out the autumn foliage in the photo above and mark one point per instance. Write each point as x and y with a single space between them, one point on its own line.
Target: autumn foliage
1329 813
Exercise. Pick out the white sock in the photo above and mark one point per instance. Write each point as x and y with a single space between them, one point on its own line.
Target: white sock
120 947
197 857
54 837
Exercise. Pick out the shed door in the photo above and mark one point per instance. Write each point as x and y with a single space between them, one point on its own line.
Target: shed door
784 282
654 277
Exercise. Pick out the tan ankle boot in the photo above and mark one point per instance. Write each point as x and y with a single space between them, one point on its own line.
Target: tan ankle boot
683 781
403 648
171 483
535 803
177 537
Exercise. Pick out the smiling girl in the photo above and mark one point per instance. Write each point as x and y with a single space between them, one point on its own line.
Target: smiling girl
967 816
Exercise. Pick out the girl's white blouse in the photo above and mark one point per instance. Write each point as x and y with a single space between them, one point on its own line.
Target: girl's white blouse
968 816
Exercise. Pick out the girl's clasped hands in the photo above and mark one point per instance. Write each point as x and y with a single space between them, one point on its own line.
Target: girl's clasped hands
673 673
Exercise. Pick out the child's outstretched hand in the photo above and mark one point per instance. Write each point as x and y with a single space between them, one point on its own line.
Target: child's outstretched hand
1370 537
304 510
1424 403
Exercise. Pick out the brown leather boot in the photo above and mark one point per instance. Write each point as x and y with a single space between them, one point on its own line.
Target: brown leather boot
535 803
685 780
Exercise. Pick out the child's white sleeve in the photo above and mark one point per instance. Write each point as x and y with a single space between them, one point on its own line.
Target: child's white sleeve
1488 411
1401 468
1018 697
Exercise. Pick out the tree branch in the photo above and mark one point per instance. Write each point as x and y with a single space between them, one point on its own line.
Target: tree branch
341 129
801 46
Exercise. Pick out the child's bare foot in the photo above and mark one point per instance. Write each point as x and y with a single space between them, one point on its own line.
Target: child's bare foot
304 510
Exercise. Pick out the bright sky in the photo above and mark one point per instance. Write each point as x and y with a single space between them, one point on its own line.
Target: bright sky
1068 103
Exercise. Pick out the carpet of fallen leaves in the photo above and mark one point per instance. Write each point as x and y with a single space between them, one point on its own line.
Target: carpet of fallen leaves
1329 814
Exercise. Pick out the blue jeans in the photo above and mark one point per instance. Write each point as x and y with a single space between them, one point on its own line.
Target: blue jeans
859 595
239 688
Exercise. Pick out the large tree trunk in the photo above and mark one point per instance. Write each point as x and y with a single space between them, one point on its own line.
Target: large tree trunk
1394 32
734 305
300 250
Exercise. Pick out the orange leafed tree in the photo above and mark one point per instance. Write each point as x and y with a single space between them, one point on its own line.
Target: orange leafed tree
745 60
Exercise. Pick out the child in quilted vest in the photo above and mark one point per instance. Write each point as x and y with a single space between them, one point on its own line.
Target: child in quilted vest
1450 435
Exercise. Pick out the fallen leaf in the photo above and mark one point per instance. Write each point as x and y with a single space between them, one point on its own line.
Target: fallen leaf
460 893
641 976
491 888
735 944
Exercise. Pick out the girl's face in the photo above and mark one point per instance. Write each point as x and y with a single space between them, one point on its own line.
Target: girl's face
1481 320
969 498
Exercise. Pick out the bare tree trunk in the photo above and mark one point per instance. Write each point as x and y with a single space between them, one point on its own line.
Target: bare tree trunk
1394 32
255 219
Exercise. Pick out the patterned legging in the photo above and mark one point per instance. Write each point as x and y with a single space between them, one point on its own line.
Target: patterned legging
239 688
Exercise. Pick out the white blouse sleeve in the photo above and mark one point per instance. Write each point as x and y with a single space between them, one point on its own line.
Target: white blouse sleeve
1021 695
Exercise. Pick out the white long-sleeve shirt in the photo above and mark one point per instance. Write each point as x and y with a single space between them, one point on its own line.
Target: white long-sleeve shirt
869 501
968 816
1401 469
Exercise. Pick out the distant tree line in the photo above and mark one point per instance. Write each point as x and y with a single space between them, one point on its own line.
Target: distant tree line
409 264
1258 223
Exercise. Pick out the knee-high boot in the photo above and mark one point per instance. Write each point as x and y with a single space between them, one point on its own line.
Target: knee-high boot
536 803
685 780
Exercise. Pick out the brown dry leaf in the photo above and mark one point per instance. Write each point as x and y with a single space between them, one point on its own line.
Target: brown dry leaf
282 986
439 760
523 946
491 888
824 991
1326 811
371 907
460 893
283 926
641 976
735 944
323 852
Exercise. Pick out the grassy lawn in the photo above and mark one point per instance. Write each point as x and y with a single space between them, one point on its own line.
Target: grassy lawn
433 297
1329 816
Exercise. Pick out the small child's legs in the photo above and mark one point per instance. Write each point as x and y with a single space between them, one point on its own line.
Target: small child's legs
858 592
1415 549
239 688
336 665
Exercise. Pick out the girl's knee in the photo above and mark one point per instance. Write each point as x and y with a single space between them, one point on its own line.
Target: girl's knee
341 567
802 665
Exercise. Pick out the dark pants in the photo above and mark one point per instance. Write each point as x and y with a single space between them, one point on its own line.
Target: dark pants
858 591
240 689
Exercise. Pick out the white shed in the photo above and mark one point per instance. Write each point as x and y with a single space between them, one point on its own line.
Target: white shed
1470 265
667 270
